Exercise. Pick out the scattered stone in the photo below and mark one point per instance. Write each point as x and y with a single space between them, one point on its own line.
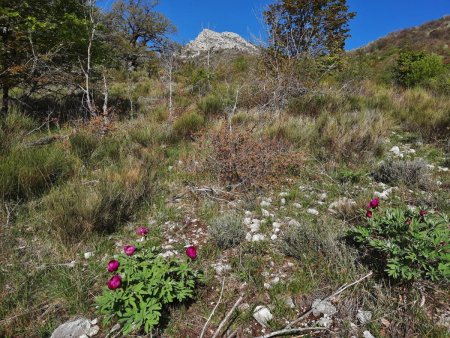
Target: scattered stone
258 238
265 213
297 205
221 268
312 212
274 237
93 331
248 237
396 151
367 334
88 255
276 225
167 254
325 321
247 221
264 204
284 194
323 307
444 169
323 196
72 329
289 302
283 201
364 317
262 315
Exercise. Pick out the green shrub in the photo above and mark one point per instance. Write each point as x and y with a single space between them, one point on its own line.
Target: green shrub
149 285
415 68
315 103
187 124
211 105
406 245
411 173
227 231
27 173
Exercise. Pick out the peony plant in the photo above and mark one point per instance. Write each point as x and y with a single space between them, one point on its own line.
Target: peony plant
407 245
144 284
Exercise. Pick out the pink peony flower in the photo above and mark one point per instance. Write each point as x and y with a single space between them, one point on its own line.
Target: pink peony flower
374 203
191 252
115 282
129 250
142 231
369 214
113 265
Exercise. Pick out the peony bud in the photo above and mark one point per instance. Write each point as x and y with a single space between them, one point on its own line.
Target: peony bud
422 213
115 282
369 214
142 231
113 265
129 250
191 252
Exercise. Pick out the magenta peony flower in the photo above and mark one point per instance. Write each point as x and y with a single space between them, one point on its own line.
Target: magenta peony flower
129 250
374 203
369 214
113 265
191 252
115 282
142 231
422 213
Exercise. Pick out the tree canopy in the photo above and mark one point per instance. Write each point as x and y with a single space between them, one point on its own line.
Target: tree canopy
308 27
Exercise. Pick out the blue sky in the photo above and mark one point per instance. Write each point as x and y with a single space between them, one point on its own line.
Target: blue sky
375 18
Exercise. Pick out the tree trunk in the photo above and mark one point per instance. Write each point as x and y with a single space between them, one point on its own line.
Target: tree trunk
5 100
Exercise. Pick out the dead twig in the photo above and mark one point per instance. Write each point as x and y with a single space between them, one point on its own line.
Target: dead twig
338 292
227 317
214 310
289 332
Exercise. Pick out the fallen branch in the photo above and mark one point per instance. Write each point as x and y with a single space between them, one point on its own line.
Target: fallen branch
43 141
225 320
288 332
214 310
338 292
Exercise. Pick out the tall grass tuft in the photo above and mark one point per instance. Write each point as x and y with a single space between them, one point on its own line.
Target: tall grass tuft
27 173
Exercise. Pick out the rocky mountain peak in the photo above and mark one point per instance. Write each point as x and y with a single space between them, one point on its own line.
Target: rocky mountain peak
211 40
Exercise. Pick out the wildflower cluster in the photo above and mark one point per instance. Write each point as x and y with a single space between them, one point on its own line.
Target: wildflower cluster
144 284
407 245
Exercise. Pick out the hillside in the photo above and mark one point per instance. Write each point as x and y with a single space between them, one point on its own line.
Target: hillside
144 193
433 36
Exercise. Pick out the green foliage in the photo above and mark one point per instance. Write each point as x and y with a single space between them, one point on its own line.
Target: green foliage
405 244
299 27
415 68
227 231
27 173
188 124
211 105
150 284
